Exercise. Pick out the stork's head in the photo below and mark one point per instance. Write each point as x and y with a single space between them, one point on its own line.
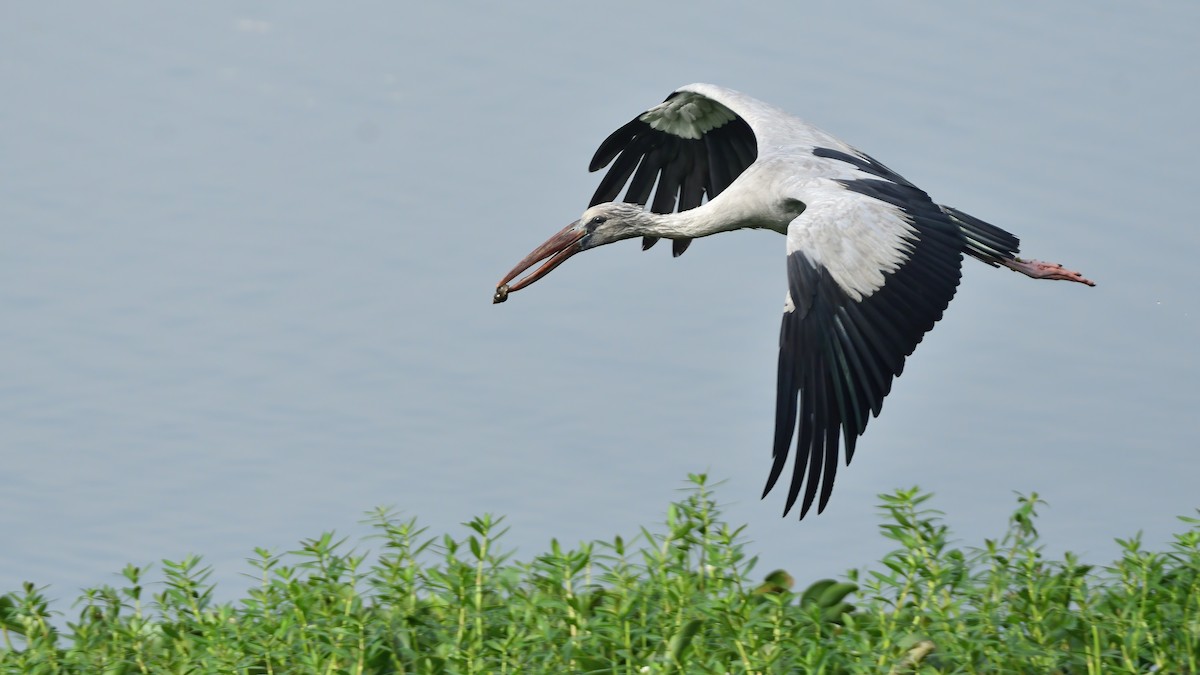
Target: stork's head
599 225
609 222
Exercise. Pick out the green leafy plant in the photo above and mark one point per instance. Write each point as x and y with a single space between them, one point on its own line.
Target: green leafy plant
677 598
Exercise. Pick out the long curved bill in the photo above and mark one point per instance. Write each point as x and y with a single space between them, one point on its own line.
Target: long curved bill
557 248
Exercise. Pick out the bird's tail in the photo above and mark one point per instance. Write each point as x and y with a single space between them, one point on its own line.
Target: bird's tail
985 241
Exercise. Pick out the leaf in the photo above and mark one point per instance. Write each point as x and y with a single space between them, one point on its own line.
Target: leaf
813 593
8 615
836 593
835 613
682 640
778 581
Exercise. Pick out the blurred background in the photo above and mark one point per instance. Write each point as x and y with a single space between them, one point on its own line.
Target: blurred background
249 251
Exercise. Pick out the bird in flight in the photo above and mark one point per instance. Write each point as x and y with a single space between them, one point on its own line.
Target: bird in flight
872 261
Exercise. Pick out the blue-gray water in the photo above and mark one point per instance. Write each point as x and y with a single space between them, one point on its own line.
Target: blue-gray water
248 252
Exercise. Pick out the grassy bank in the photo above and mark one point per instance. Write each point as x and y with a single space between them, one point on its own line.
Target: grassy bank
678 598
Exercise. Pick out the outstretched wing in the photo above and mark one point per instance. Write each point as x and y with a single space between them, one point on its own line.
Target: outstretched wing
872 264
690 145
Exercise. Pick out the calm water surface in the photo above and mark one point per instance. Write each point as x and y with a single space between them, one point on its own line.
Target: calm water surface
248 252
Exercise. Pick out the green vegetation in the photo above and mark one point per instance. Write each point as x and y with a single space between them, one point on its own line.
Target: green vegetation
678 600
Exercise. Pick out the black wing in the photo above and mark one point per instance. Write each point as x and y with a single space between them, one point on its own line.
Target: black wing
686 169
839 354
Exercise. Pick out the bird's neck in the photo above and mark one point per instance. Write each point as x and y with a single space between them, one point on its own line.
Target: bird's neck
702 221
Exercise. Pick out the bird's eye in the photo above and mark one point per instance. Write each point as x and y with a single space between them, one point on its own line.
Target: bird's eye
598 220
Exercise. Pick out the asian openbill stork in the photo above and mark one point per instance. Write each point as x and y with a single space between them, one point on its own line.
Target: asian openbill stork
872 261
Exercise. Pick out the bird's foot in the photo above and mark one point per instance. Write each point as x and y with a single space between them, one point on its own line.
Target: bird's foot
1044 270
